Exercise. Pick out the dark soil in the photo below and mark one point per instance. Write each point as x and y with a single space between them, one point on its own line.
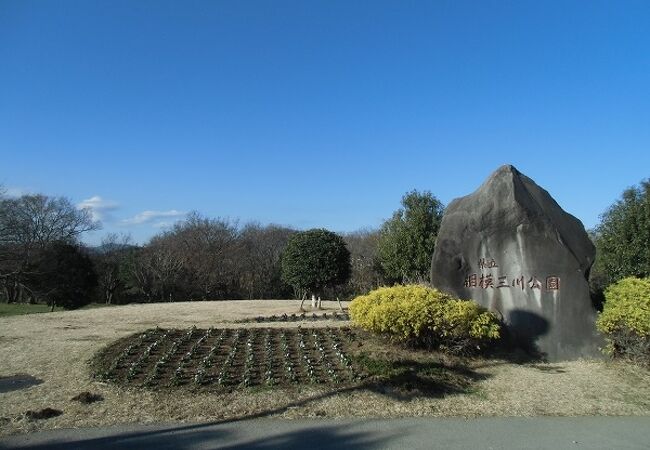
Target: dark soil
230 359
45 413
302 317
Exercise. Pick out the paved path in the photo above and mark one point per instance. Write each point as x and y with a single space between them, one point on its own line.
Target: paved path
409 433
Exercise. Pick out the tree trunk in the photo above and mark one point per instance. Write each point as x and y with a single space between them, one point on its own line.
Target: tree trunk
319 302
340 306
313 300
302 302
17 293
21 293
6 293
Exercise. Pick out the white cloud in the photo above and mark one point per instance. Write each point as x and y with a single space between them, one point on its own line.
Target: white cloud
150 216
98 206
163 224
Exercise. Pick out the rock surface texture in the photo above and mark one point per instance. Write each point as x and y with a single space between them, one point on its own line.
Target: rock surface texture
510 247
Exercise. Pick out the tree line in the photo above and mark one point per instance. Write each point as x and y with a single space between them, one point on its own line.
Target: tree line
43 259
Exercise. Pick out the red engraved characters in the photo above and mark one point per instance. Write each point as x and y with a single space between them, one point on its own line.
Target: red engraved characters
534 283
519 282
486 281
471 280
487 263
552 283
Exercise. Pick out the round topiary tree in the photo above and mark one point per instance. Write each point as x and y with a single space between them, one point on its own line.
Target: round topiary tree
313 260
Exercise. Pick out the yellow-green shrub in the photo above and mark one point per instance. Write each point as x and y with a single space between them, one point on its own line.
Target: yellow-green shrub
420 315
625 320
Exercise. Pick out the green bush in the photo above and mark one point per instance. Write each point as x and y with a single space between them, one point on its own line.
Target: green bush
625 320
422 316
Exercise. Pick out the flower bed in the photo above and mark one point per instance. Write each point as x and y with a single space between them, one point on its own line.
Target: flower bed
230 358
303 317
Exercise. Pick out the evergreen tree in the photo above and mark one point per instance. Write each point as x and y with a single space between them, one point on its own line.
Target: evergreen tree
313 260
65 276
623 237
408 238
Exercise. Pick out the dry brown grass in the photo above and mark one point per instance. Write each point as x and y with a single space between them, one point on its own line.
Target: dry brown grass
56 348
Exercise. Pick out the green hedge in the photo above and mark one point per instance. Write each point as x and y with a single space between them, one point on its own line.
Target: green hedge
625 320
423 316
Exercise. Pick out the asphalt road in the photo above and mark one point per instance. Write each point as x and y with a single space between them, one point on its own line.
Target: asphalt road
408 433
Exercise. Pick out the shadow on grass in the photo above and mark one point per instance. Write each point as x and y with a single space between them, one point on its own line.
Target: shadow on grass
401 379
507 354
398 374
17 382
405 379
518 347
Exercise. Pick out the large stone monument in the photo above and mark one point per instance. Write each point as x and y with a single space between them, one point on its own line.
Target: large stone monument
510 247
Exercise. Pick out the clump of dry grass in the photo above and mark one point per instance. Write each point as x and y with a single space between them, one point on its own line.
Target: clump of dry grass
87 398
56 348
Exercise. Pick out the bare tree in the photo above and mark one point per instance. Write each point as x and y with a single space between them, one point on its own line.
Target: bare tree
165 264
29 224
37 220
366 271
258 259
193 259
138 275
108 262
208 247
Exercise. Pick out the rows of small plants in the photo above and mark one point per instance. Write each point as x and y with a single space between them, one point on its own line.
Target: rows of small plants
297 317
230 358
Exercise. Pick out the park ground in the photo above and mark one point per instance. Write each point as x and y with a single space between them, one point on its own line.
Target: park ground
51 351
18 309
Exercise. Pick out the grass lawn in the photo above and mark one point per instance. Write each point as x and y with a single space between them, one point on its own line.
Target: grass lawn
55 350
17 309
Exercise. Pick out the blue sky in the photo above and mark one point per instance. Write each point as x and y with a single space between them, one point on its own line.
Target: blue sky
318 113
